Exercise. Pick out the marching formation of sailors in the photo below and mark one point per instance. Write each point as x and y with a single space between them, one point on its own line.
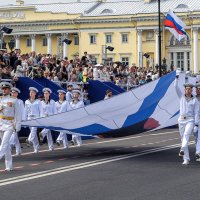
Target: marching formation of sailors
14 110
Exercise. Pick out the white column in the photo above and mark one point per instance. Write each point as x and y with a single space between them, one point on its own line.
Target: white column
185 62
49 43
33 46
175 60
65 47
140 54
17 41
196 52
157 47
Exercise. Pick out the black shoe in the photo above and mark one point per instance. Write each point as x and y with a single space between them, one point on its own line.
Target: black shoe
72 142
58 143
181 154
197 156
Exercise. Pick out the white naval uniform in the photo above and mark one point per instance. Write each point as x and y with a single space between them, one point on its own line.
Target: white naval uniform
10 121
189 111
14 140
48 109
197 136
33 110
189 115
63 107
76 138
69 96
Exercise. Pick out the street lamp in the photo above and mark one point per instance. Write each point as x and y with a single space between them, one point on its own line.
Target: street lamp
67 41
104 50
2 31
159 38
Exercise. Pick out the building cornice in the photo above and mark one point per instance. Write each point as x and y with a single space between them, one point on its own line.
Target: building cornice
18 8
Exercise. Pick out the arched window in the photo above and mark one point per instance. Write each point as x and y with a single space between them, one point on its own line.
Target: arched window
108 11
174 42
182 6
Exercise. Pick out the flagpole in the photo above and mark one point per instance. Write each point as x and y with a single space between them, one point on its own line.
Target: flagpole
159 39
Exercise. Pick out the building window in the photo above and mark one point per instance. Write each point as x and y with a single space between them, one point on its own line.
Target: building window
92 39
124 38
150 35
28 42
180 60
174 42
188 61
44 41
172 59
108 38
93 59
76 40
125 61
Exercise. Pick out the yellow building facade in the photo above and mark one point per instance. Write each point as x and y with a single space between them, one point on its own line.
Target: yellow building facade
101 25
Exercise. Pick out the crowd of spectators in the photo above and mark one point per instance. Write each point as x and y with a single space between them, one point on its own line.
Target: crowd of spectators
79 69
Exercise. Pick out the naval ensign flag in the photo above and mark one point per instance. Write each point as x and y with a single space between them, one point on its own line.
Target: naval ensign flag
175 25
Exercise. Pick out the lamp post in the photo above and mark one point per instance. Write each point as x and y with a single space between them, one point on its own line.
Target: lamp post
104 52
2 31
159 39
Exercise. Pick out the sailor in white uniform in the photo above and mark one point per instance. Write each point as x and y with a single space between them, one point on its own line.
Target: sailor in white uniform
69 94
75 104
14 140
49 108
10 121
62 106
33 110
189 114
196 129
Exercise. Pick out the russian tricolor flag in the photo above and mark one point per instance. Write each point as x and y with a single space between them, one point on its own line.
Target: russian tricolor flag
175 25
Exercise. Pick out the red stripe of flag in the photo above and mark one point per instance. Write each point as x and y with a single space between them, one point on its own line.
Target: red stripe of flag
170 24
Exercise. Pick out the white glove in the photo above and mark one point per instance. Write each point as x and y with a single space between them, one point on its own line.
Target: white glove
17 127
195 129
178 71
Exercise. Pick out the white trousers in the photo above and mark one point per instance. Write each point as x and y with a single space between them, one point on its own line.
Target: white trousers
185 130
5 149
14 140
198 141
33 138
63 137
47 132
77 139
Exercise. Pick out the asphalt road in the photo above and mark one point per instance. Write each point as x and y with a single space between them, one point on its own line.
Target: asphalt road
140 167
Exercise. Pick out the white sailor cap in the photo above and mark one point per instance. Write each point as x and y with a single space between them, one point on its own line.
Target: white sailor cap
80 83
197 85
76 91
61 91
14 89
69 85
188 85
47 89
5 85
34 89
